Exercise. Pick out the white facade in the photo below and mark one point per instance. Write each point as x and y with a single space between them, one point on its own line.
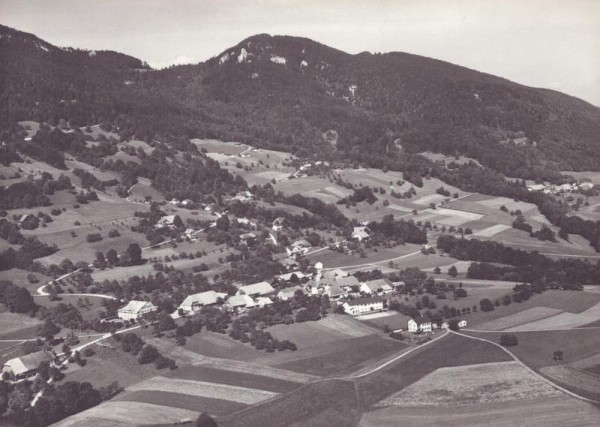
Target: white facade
136 309
363 305
420 325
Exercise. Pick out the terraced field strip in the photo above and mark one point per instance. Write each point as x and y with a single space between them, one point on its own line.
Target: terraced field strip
543 412
238 366
114 413
574 377
243 395
492 231
472 384
510 204
562 321
181 401
432 198
523 317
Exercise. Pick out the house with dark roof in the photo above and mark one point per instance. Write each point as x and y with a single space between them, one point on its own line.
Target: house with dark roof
366 305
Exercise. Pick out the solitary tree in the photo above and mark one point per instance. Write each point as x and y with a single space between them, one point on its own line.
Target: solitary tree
452 271
508 340
135 253
205 420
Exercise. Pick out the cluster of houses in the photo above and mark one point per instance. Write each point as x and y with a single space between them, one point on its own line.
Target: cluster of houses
560 189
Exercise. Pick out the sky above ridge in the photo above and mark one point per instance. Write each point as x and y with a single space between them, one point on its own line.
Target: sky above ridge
542 43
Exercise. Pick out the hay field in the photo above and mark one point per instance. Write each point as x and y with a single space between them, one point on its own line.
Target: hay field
472 384
543 412
232 393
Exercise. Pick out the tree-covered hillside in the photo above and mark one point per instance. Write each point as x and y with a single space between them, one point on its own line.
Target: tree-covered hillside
301 96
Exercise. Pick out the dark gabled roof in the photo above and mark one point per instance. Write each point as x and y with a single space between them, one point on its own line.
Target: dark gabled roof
366 300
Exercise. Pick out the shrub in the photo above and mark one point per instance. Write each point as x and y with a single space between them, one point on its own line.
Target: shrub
508 340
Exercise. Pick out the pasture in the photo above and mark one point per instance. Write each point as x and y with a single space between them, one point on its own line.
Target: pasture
109 365
344 356
122 413
583 382
470 385
537 348
234 378
14 322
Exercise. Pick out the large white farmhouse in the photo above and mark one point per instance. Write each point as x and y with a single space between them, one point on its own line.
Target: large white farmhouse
136 309
363 305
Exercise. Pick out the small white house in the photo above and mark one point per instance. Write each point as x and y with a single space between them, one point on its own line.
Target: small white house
136 309
536 187
287 293
278 224
166 222
462 323
286 277
298 247
360 233
420 324
359 306
377 286
585 186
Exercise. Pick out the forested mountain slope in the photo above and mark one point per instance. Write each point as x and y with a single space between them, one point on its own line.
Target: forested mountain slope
298 95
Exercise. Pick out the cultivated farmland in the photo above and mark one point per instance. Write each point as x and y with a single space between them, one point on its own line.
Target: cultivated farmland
543 412
472 384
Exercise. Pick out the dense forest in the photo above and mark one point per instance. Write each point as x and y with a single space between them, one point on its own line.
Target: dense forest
519 265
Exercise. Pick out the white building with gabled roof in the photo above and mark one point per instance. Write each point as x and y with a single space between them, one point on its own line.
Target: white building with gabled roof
195 302
136 309
256 289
